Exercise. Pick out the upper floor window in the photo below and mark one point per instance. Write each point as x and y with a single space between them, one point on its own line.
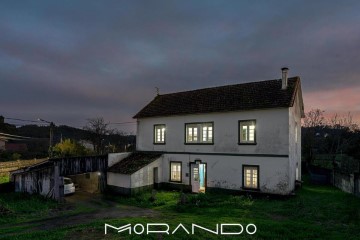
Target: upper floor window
159 133
247 132
199 133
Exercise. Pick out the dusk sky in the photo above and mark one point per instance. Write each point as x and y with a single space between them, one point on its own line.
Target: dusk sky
67 61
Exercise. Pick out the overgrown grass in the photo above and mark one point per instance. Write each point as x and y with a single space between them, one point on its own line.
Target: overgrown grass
21 207
316 212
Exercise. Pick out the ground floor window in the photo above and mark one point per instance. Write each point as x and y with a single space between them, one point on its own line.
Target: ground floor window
175 171
251 177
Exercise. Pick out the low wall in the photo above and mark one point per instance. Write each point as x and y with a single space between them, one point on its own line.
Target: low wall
347 182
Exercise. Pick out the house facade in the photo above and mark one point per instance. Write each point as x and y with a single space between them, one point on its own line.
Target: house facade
243 137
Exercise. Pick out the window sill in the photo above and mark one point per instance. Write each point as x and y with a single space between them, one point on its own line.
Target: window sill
251 189
198 143
175 181
159 143
243 143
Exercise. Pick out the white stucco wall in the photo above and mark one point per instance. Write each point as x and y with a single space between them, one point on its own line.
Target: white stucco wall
275 138
226 171
295 141
145 176
272 132
141 178
118 180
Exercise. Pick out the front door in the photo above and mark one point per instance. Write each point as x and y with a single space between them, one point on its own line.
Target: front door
198 177
195 181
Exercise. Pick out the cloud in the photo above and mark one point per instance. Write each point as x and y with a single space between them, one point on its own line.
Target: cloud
87 58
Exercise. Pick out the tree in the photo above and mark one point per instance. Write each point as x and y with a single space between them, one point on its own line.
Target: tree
313 122
334 136
98 130
342 133
69 148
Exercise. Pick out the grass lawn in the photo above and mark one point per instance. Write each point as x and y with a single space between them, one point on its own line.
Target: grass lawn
4 179
316 212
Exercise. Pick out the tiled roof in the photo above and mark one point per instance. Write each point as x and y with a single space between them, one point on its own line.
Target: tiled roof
239 97
134 162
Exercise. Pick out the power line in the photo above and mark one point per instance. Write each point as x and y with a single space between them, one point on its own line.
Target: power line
7 136
119 123
10 135
22 120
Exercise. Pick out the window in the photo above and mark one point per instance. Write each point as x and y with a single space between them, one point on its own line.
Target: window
175 171
199 133
251 177
247 132
159 134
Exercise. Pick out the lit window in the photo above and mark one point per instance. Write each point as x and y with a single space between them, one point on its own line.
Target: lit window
175 171
159 133
199 133
251 177
247 131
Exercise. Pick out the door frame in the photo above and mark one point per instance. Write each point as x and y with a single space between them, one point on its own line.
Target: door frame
198 161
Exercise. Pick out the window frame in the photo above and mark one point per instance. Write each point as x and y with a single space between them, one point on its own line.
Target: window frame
181 169
239 132
258 177
154 135
200 134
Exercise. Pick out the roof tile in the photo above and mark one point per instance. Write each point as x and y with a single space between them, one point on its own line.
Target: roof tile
134 162
239 97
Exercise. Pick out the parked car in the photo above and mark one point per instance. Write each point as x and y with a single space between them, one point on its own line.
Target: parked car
69 187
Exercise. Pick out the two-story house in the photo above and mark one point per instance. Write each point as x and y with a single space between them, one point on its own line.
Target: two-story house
243 137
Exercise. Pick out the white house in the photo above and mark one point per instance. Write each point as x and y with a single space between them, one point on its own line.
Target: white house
243 137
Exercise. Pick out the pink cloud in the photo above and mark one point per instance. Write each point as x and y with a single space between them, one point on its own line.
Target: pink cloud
333 101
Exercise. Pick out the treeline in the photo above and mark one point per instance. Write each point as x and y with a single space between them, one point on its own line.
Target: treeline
95 138
333 136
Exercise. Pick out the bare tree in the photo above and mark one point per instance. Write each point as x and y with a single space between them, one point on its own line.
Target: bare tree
314 121
334 135
340 127
98 129
314 118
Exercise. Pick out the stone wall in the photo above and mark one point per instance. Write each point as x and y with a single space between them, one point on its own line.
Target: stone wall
347 182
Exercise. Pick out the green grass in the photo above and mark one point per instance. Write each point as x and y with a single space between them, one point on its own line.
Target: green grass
4 179
24 207
316 212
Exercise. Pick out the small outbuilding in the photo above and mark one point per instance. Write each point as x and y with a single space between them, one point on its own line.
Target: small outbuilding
138 171
46 178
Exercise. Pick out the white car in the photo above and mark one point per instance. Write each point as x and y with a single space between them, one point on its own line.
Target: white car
69 187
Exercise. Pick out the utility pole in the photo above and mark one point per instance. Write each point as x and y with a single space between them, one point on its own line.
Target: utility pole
51 140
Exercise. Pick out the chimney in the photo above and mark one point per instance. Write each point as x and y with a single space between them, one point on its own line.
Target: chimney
284 81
